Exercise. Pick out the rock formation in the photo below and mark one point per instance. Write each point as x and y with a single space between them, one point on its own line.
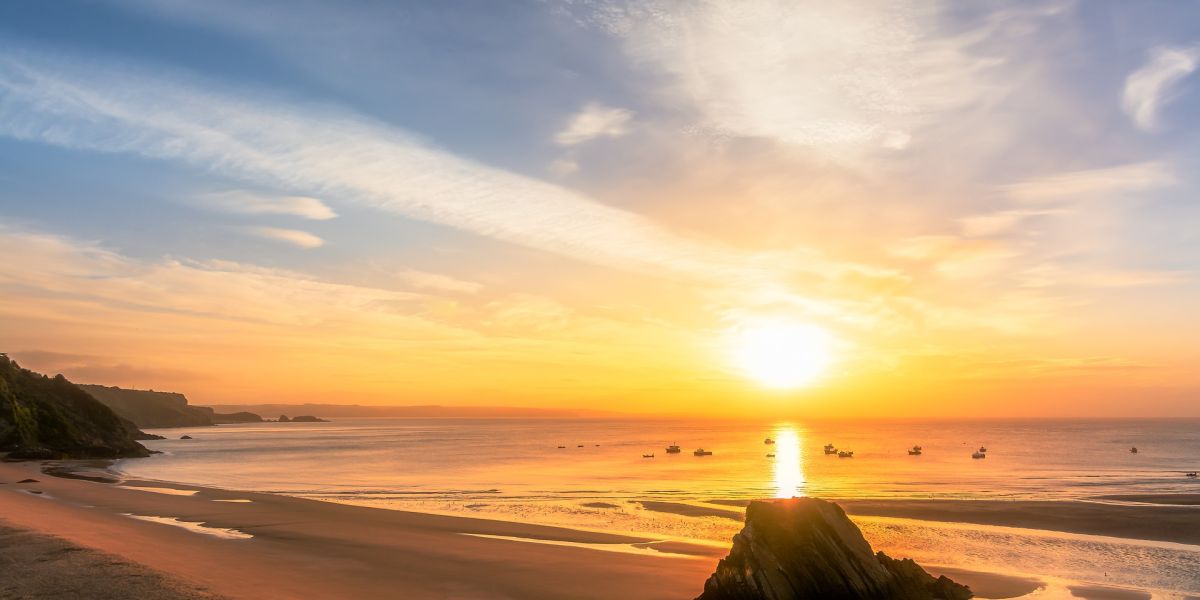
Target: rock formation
804 548
151 409
50 417
308 419
236 417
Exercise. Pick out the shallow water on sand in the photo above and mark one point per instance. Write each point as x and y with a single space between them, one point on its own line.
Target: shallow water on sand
514 468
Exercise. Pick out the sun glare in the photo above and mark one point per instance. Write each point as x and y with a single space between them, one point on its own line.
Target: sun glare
782 355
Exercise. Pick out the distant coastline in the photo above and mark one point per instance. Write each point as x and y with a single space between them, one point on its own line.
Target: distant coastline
412 411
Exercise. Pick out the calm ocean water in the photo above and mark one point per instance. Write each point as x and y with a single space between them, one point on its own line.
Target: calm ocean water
514 469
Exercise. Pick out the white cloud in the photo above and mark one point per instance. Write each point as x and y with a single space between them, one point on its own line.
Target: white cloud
1154 84
248 203
295 237
1093 182
94 106
594 121
806 73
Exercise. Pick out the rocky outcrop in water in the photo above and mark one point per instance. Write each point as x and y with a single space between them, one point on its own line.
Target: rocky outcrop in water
805 548
308 419
49 417
236 417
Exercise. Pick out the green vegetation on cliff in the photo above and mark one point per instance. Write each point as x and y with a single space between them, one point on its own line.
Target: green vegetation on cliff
151 409
50 417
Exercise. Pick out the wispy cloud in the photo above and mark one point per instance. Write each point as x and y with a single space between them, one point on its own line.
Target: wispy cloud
594 121
1000 222
295 237
1155 84
335 154
807 73
1093 182
249 203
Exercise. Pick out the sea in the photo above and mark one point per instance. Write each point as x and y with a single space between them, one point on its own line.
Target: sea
615 475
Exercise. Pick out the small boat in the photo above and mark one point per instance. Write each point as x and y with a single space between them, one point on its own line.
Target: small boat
562 446
829 449
1192 474
768 441
769 455
979 455
702 452
579 446
673 449
982 450
914 451
1133 450
846 454
647 456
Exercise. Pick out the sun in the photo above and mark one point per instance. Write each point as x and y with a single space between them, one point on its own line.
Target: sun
780 354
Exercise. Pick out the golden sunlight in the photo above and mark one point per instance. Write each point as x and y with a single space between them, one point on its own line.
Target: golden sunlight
782 355
789 470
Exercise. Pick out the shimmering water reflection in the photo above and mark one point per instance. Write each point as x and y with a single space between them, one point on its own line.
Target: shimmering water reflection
789 462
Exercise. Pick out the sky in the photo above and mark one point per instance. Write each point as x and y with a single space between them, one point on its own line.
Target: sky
985 209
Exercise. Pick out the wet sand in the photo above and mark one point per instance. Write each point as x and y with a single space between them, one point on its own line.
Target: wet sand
1171 499
993 586
1180 524
1100 592
304 549
1174 520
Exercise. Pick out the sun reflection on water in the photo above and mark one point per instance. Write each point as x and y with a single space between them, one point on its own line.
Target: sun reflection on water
789 469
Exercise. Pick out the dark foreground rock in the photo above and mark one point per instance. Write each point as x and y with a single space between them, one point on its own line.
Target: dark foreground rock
49 417
804 548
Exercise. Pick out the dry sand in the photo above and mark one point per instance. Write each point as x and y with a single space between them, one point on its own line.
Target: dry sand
36 566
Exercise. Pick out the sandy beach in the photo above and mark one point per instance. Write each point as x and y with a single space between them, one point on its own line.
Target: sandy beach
308 549
187 542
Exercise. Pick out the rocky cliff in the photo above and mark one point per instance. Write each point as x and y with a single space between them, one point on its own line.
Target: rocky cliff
150 409
50 417
804 548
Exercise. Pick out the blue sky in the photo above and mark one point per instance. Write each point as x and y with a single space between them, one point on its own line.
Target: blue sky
991 182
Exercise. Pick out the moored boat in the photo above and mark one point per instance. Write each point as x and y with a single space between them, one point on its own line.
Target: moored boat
673 449
846 454
829 449
768 441
702 452
979 455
